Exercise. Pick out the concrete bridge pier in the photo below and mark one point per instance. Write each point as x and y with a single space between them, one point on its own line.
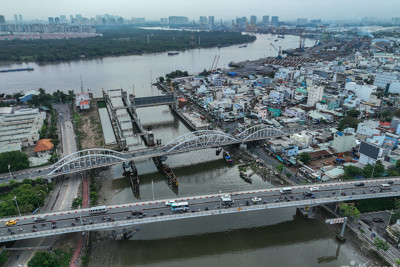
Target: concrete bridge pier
306 212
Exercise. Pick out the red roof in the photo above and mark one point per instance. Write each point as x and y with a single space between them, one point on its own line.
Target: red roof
385 124
43 145
84 102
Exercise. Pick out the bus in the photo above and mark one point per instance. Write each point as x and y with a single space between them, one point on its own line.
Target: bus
180 206
99 209
286 190
227 200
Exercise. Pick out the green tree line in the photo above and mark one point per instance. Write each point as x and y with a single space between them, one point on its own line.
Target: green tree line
123 40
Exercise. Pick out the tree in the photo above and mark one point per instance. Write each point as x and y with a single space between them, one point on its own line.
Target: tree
353 171
380 244
44 259
371 171
304 157
349 211
161 79
15 159
353 113
280 167
347 122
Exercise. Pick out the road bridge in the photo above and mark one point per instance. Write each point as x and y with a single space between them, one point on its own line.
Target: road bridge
199 206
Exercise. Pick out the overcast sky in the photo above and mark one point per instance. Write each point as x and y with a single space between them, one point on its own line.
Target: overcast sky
221 9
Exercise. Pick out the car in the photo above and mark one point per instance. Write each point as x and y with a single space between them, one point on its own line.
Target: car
378 220
137 212
11 222
39 219
359 184
312 189
308 194
169 202
389 182
256 200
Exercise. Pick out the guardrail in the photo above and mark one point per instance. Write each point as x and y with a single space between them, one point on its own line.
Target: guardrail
130 222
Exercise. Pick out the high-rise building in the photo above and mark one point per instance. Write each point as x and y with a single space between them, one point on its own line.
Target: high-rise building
203 20
178 20
265 20
211 20
16 18
316 21
241 21
57 20
301 21
63 19
2 19
274 20
314 95
253 20
20 19
396 21
51 20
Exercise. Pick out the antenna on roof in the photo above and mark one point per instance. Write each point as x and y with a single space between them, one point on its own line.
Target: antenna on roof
81 85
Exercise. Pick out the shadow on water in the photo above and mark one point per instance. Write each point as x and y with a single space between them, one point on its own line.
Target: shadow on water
229 242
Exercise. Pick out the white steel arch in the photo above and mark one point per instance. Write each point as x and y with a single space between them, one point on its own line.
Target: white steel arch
259 131
203 141
86 161
191 135
90 151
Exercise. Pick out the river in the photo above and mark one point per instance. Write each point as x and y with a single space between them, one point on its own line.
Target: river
260 238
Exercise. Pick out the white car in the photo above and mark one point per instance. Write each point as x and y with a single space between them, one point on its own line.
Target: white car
256 200
169 202
312 189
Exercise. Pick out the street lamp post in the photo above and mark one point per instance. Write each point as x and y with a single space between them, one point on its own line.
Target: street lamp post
16 202
9 169
372 174
37 200
152 188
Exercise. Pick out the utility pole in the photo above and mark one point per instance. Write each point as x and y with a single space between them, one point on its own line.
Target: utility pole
152 188
9 169
16 202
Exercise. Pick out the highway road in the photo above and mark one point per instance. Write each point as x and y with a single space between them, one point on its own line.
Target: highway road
198 206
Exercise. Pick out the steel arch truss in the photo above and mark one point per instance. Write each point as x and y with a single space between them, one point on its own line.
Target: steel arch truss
258 132
87 158
199 140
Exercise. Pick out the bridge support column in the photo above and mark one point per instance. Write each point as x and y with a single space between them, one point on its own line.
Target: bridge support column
305 212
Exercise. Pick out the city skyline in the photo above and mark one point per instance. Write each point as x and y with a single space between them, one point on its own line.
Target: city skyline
153 10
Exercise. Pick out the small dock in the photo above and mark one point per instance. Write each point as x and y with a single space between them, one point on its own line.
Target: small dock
172 179
131 170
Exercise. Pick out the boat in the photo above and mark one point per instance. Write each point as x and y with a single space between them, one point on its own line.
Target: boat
242 46
276 40
24 69
227 158
173 53
219 149
223 45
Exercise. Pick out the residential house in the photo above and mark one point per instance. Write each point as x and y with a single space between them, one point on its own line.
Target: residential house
82 101
344 142
43 147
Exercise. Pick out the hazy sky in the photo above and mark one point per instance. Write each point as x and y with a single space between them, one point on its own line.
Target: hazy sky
221 9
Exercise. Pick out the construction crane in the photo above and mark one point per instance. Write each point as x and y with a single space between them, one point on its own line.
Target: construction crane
215 63
212 66
278 50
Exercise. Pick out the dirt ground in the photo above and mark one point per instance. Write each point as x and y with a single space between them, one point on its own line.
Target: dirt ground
91 127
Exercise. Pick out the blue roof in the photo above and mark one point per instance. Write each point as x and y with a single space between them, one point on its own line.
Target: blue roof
340 133
232 74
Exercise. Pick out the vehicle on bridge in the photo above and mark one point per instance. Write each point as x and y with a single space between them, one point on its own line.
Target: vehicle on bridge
255 200
137 212
180 206
385 186
308 194
169 202
314 188
227 200
286 190
99 209
39 219
359 184
11 222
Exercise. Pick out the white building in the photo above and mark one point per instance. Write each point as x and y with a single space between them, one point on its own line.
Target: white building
368 128
314 95
344 142
370 153
82 101
394 87
382 79
362 91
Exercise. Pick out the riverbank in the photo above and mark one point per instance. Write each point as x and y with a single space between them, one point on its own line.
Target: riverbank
117 41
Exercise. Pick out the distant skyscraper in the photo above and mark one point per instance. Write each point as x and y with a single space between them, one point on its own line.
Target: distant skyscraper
316 21
211 20
176 20
396 21
301 21
2 19
20 19
274 20
253 20
265 20
51 20
203 20
71 18
57 20
16 18
63 19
